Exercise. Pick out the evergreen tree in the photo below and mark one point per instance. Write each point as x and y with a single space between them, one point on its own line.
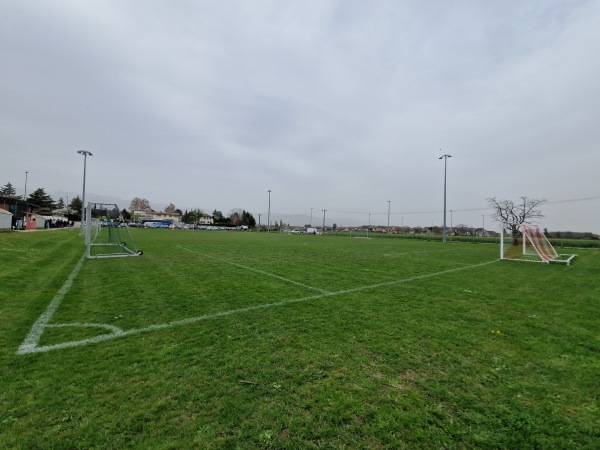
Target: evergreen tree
75 205
114 213
41 199
218 217
8 190
248 219
191 216
125 214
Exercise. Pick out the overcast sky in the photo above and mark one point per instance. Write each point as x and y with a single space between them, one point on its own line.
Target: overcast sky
337 105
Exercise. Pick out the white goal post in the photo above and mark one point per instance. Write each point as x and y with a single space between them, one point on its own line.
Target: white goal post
526 242
106 235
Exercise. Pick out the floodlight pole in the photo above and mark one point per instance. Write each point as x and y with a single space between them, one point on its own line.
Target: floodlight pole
259 226
85 154
446 156
25 200
311 217
269 215
389 203
324 211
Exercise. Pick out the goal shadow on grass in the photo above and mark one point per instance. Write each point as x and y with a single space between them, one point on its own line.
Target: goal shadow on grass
31 344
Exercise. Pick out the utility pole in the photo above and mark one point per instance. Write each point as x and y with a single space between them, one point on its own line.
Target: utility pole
445 166
269 215
85 154
389 203
25 200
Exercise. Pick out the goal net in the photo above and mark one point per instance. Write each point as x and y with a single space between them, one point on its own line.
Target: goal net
106 235
526 242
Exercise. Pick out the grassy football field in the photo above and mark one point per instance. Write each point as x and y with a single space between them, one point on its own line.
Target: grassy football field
256 340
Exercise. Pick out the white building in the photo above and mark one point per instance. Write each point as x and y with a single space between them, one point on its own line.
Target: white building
145 216
5 220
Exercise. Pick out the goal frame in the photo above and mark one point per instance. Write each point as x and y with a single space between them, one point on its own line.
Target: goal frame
122 247
529 244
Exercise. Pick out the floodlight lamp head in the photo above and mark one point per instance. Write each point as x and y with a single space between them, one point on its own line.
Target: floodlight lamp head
84 153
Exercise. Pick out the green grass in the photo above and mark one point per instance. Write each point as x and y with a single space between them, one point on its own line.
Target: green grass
328 343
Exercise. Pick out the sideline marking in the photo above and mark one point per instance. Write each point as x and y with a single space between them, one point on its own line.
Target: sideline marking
30 344
33 338
287 280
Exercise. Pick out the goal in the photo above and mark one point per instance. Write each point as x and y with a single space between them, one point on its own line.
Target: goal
106 235
525 242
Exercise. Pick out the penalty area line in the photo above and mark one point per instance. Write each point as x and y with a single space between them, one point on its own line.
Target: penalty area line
262 272
117 332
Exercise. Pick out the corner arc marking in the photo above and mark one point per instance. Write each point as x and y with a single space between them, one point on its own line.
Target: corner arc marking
33 338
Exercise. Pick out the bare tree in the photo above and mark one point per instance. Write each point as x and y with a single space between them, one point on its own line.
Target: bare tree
139 204
235 216
170 208
523 211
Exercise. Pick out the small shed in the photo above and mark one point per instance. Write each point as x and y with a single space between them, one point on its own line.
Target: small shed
5 220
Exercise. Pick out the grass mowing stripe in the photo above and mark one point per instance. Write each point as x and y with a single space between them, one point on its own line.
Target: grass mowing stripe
262 272
30 346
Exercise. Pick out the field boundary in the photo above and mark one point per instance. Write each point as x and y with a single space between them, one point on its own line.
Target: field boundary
31 343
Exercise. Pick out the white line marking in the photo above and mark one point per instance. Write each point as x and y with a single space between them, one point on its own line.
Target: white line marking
421 251
287 280
33 338
33 348
111 328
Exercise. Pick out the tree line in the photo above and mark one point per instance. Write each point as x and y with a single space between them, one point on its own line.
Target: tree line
236 217
45 202
522 211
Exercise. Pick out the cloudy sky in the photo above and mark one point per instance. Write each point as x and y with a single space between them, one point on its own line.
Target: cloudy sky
338 105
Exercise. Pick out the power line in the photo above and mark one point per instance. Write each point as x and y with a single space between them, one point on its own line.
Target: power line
585 199
487 208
